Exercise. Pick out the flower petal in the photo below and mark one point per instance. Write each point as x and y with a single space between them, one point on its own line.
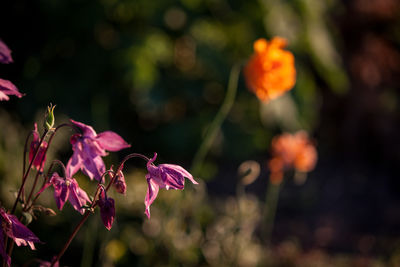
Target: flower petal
86 129
152 192
21 234
8 88
78 196
61 190
74 163
5 53
111 141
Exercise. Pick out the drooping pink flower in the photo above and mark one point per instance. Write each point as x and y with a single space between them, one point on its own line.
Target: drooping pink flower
107 209
88 149
40 159
168 176
8 88
67 189
14 229
5 53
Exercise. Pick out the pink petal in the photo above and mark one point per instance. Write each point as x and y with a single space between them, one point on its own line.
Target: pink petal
111 141
87 130
77 197
93 167
74 163
5 53
8 88
152 192
21 234
61 190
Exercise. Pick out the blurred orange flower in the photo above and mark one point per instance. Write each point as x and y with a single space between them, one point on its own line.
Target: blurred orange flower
291 151
270 72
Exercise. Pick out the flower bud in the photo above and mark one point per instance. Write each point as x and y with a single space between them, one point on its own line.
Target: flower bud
49 117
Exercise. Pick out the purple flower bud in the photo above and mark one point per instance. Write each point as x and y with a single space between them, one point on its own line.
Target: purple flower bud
40 159
107 209
119 183
168 176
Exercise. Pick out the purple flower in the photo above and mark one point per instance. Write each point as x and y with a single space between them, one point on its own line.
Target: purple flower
14 229
67 189
40 159
88 149
8 88
107 209
168 176
5 54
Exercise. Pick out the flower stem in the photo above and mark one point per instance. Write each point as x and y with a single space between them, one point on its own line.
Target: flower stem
27 172
271 203
76 230
218 120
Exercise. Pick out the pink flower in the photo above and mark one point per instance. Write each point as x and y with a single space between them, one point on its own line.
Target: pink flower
88 149
14 229
168 176
107 209
40 159
67 189
8 88
5 54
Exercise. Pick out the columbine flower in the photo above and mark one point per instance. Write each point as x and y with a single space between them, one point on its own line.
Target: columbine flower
67 189
89 147
107 209
8 88
270 72
40 159
14 229
168 176
291 151
5 54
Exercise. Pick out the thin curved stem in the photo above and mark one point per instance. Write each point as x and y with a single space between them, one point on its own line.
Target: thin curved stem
218 120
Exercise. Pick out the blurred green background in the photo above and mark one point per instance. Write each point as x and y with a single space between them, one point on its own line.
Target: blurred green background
156 73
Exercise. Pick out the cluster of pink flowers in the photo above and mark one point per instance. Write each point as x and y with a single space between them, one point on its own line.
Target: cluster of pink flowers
88 148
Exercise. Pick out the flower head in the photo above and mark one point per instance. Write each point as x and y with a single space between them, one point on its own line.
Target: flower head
8 88
40 159
270 72
67 189
88 149
168 176
5 54
14 229
107 209
291 150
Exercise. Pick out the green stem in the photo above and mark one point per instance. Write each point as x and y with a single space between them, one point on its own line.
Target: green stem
271 203
218 120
